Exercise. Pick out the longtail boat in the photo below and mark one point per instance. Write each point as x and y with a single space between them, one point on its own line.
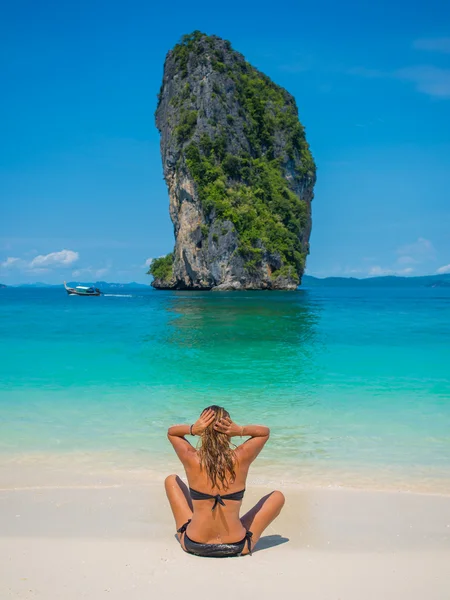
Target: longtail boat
81 290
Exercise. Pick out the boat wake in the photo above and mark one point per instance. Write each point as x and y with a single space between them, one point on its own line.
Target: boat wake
118 295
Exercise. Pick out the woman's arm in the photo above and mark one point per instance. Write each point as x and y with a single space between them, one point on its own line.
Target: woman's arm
249 450
226 425
179 431
176 434
254 431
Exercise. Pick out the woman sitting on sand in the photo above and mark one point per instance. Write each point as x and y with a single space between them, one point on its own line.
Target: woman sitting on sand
208 512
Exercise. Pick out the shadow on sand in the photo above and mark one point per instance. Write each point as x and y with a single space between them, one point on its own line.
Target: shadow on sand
269 541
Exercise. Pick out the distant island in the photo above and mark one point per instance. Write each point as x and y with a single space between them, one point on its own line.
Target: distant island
102 285
384 281
308 281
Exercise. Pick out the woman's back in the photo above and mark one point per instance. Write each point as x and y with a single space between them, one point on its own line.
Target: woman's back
215 519
217 475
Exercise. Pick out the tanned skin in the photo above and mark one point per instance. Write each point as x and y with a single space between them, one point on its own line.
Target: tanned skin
223 524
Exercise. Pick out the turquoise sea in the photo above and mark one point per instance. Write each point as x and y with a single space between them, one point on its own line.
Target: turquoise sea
354 382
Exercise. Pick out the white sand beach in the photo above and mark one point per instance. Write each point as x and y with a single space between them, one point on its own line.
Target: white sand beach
113 537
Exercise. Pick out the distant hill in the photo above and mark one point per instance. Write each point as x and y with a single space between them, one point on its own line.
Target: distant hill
307 281
102 285
386 281
38 284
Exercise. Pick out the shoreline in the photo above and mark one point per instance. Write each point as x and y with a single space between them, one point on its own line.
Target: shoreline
89 470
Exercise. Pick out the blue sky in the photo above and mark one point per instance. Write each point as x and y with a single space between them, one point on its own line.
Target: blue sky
82 194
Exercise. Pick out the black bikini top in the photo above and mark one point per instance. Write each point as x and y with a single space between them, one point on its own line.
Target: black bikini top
218 499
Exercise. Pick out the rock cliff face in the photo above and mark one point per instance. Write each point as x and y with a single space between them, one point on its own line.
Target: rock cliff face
239 172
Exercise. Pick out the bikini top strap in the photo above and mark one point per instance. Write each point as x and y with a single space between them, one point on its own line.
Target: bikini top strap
201 496
235 495
218 499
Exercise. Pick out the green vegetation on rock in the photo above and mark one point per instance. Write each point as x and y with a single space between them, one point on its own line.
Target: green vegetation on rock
162 268
186 126
183 49
253 194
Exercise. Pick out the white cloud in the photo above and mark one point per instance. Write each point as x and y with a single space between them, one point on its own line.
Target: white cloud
378 271
433 44
419 251
42 263
419 255
406 260
428 79
90 272
10 262
64 258
352 272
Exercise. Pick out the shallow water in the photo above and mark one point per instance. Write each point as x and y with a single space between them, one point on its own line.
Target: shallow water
354 383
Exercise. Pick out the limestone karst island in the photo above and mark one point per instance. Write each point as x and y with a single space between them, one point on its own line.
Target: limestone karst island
239 171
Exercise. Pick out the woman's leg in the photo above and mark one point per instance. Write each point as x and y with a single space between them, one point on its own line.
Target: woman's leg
262 515
179 499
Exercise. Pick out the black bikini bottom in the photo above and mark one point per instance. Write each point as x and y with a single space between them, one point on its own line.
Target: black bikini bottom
215 550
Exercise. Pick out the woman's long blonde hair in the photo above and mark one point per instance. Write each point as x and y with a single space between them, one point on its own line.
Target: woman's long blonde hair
217 458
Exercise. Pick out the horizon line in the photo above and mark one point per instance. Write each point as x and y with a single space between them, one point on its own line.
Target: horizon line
349 277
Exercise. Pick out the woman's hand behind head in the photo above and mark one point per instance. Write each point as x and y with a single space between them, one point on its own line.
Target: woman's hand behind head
204 421
227 426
